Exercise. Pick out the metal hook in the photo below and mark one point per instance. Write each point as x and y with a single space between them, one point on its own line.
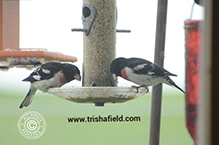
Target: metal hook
88 16
192 10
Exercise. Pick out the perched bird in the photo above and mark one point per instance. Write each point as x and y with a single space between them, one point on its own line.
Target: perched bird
49 75
141 72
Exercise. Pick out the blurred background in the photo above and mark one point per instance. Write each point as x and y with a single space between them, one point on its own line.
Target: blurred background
47 24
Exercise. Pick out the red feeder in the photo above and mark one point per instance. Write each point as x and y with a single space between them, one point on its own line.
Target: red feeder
193 38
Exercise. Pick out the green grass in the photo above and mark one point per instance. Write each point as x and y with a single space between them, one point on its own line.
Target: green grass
59 131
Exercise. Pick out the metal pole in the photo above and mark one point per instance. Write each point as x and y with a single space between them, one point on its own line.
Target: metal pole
158 59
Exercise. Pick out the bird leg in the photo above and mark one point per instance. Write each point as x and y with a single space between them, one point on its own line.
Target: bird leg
137 87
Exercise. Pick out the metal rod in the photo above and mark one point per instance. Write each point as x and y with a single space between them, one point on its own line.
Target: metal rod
123 30
84 30
192 10
158 59
79 29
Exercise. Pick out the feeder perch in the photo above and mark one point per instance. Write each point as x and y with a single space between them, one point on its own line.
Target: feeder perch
99 27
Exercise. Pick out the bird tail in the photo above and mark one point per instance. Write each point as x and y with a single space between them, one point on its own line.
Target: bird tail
170 82
29 97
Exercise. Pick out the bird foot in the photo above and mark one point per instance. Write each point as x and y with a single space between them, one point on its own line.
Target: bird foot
137 87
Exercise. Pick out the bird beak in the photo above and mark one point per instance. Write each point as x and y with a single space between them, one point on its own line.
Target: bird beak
77 77
114 76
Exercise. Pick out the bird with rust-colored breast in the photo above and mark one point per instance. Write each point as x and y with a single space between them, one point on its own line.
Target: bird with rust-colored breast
49 75
141 72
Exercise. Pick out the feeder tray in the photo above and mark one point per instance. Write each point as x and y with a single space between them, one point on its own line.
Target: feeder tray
98 95
30 57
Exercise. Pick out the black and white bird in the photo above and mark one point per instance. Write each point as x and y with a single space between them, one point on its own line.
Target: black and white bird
49 75
141 72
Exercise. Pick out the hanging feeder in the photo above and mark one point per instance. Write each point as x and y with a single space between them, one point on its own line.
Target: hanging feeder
99 27
193 44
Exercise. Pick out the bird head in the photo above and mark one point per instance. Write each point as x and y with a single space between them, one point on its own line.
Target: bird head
115 69
71 72
116 66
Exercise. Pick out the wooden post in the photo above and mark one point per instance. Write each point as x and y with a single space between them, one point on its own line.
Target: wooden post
209 78
158 59
9 24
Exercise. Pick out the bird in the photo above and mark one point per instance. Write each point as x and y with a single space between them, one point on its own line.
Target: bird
141 72
49 75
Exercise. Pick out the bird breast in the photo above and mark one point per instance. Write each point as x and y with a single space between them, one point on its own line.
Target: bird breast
56 81
62 79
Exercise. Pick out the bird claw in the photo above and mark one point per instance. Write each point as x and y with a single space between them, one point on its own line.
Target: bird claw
137 87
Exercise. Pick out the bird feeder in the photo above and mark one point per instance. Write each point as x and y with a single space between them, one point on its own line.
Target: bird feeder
10 53
99 27
193 45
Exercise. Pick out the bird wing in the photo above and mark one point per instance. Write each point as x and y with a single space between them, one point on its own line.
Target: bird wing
142 66
46 71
